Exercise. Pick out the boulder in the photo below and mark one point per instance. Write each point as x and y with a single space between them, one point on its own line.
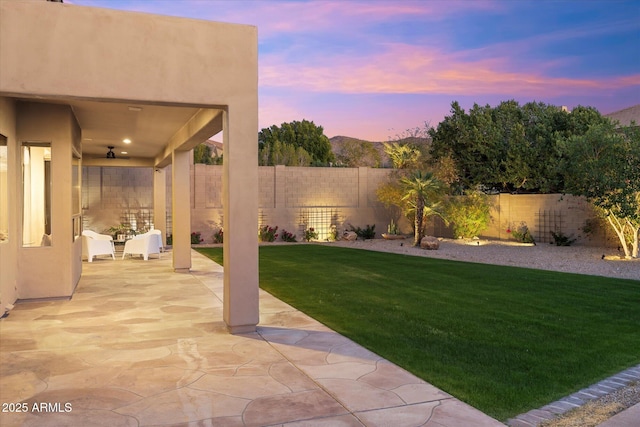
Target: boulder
350 236
430 243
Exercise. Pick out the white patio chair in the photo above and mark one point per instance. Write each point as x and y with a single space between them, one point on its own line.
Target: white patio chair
160 239
94 244
143 244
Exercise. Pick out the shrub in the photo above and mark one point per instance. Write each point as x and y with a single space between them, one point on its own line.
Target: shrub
560 239
267 234
218 236
470 214
365 233
195 238
310 234
522 234
333 233
287 237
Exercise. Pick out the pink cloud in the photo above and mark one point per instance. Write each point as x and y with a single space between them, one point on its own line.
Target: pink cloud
402 68
337 16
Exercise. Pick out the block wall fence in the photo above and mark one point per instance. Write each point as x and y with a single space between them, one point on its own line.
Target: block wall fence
296 198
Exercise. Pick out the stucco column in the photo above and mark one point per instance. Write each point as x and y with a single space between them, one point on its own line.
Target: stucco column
181 211
160 202
240 204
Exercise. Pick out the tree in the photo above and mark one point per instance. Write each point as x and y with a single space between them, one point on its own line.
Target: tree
202 154
603 165
403 156
543 125
508 147
355 153
305 135
423 193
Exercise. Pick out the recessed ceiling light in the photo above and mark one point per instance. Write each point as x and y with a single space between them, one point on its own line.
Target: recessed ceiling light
131 108
123 152
126 141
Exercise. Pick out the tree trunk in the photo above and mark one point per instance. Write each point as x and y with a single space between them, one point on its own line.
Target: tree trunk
418 235
635 232
619 229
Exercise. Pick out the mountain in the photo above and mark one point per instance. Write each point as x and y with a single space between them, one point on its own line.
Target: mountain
342 146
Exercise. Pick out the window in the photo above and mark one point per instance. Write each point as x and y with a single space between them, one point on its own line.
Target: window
4 191
36 201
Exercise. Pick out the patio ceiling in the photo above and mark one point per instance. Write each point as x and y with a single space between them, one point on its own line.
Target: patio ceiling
149 127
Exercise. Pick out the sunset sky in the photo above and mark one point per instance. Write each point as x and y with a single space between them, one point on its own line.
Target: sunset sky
373 69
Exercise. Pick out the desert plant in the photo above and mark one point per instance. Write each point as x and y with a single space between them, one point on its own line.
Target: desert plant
392 228
560 239
522 234
365 233
423 192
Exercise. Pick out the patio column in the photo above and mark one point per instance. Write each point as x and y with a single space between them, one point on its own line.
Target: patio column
240 204
181 211
160 202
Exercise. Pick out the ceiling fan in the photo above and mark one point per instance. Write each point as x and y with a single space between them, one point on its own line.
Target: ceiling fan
112 155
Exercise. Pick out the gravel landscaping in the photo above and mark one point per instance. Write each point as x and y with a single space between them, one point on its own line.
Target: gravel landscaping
597 411
570 259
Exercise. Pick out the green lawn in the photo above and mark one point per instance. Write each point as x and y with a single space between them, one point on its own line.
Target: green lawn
503 339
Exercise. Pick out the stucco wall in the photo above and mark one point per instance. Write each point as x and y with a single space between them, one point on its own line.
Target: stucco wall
543 213
112 196
59 265
9 247
53 51
289 197
295 198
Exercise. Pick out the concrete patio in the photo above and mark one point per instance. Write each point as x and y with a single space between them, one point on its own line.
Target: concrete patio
140 345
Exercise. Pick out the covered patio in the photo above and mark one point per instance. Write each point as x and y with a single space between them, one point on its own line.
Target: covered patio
142 345
98 87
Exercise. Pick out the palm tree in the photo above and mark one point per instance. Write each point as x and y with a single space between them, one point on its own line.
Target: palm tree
402 156
423 192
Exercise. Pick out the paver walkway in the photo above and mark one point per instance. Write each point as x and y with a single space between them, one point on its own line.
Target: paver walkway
140 345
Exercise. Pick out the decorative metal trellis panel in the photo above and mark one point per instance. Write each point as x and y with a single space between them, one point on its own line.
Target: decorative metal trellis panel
546 222
320 219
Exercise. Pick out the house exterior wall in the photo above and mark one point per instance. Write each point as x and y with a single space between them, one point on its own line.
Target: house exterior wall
117 195
50 271
127 56
53 51
9 247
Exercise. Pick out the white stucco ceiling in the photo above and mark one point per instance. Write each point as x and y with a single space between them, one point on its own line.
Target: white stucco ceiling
149 127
